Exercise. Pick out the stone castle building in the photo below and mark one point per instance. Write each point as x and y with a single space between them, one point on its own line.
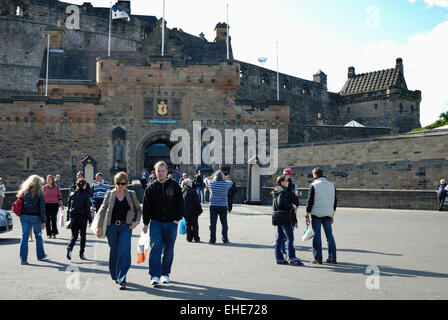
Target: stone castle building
108 113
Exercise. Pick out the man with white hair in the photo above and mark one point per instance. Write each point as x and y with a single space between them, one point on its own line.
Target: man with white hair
192 210
441 193
219 186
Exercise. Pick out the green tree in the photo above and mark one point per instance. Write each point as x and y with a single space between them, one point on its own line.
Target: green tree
442 121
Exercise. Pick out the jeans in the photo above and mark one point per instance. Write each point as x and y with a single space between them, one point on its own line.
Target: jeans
316 224
162 238
285 233
200 190
441 200
27 222
79 225
222 213
119 238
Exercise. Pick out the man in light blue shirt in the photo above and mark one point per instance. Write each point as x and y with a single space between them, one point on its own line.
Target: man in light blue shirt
219 186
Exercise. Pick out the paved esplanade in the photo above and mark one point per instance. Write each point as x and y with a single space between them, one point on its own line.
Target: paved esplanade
410 249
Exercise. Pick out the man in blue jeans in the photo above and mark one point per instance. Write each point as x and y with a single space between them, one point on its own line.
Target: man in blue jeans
321 205
219 186
163 208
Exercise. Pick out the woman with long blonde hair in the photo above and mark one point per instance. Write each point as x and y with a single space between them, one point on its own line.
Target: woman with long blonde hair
32 216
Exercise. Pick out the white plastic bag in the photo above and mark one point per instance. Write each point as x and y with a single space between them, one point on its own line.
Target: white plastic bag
61 222
142 247
308 234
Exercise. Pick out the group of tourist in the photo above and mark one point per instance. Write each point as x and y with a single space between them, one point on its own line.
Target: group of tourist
165 202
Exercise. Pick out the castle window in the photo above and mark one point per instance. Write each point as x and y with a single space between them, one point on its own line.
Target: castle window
285 84
176 110
265 79
348 110
412 108
148 110
305 91
401 107
19 11
376 106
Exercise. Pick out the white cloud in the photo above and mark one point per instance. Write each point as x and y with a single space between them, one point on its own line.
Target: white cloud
440 3
425 65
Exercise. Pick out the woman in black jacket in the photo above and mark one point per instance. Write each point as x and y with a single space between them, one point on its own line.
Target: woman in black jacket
78 211
282 219
192 210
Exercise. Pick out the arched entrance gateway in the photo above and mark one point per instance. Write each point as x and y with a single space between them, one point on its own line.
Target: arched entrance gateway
153 149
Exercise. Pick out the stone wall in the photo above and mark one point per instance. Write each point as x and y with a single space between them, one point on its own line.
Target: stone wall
402 162
338 133
368 198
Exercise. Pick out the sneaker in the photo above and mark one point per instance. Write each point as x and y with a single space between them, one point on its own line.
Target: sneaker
282 262
82 256
165 279
54 236
69 254
123 285
225 241
154 281
212 242
316 262
296 262
331 261
24 263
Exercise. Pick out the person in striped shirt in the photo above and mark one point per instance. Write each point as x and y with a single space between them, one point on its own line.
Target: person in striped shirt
219 186
100 187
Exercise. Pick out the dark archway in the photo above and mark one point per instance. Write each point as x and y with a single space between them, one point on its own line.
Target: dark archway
156 152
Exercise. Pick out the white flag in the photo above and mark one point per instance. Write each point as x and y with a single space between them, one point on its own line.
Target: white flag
117 13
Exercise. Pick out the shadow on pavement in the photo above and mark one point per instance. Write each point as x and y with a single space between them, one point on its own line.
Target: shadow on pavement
385 271
8 242
189 291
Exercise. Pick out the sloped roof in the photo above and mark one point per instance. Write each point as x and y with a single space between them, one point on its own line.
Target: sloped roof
374 81
353 123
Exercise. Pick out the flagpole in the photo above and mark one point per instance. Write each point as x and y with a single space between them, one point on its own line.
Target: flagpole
48 60
163 30
228 54
110 27
278 83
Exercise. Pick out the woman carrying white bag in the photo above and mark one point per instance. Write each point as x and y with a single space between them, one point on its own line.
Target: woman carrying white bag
119 214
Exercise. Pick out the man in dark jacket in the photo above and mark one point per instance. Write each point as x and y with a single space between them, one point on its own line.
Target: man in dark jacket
441 193
163 207
78 212
192 210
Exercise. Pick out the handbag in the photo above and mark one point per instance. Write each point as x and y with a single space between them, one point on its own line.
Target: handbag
281 218
94 225
182 227
308 234
17 206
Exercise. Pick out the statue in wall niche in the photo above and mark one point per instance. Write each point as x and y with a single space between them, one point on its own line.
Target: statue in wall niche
118 152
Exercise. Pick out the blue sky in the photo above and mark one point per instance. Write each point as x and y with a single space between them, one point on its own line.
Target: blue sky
329 35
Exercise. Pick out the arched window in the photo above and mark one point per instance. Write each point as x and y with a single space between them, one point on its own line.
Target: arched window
265 79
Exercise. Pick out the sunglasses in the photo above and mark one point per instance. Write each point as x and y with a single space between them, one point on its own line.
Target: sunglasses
122 183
